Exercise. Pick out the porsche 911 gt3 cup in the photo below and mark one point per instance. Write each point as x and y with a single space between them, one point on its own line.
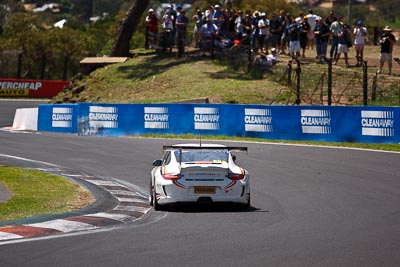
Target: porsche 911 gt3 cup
198 173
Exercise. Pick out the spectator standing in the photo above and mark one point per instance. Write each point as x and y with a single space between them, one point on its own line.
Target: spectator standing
285 34
321 33
263 26
152 27
275 30
247 24
181 27
223 28
238 25
198 19
168 25
330 18
312 21
335 28
305 29
359 33
387 42
231 23
282 21
300 18
216 16
255 31
343 40
294 40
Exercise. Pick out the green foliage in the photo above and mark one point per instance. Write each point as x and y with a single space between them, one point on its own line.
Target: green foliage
45 49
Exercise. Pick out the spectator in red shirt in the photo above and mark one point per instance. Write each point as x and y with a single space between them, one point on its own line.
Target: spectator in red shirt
152 27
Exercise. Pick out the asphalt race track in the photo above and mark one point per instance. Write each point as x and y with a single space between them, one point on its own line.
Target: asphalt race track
8 107
311 207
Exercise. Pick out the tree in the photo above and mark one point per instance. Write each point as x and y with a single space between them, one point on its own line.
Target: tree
127 27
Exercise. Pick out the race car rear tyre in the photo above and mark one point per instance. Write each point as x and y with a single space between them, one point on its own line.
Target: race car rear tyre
155 205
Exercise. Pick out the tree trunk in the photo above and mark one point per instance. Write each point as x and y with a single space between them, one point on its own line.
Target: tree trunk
127 27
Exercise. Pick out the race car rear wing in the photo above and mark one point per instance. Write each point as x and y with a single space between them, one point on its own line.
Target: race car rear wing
207 147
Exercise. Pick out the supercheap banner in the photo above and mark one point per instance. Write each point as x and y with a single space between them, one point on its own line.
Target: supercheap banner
314 123
31 88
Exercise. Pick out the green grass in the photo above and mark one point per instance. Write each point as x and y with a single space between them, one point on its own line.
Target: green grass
36 193
372 146
158 78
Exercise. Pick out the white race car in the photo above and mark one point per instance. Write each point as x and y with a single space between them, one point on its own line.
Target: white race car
204 173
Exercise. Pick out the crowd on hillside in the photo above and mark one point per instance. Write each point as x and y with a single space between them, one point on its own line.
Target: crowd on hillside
285 33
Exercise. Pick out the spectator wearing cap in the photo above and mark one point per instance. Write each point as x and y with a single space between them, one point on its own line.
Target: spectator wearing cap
216 16
168 24
359 33
305 29
387 41
321 33
335 28
152 27
265 62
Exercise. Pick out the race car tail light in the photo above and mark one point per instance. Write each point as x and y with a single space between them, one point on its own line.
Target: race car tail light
235 176
171 176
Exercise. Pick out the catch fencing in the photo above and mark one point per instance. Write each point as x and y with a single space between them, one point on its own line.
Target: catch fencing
303 81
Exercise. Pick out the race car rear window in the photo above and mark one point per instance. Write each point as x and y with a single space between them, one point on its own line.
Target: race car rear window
203 156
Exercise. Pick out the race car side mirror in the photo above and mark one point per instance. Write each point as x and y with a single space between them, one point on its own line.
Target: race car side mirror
157 162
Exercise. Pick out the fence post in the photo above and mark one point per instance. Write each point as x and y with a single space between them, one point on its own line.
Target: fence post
298 71
180 44
146 42
365 83
374 87
321 96
289 79
329 61
212 47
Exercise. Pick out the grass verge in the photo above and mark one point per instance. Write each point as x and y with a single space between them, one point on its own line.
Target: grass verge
38 193
372 146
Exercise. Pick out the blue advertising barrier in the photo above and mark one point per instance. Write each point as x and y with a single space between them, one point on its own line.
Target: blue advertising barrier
60 118
314 123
